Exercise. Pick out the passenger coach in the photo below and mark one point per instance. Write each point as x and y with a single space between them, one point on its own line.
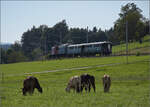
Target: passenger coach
85 49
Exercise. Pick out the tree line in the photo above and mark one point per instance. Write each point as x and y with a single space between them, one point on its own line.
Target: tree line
37 41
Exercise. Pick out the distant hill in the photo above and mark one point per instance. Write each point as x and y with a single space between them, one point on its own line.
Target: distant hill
5 46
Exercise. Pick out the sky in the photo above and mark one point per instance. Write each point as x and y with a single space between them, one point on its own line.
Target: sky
19 16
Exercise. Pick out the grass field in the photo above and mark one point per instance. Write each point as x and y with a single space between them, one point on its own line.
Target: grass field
133 47
130 83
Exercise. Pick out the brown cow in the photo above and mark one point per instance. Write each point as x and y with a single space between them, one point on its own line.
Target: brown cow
106 83
86 82
74 83
30 84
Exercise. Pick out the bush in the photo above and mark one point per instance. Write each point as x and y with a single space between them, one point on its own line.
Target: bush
138 54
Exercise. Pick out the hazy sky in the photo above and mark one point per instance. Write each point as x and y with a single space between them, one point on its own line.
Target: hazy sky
19 16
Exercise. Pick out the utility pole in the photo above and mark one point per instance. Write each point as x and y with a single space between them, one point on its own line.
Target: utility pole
45 44
60 38
127 40
87 39
42 43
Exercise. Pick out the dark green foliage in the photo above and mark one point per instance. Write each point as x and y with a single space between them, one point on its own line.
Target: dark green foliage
3 58
138 54
36 54
13 54
31 40
76 35
16 46
60 31
130 15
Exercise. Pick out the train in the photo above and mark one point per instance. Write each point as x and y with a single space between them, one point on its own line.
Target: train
84 49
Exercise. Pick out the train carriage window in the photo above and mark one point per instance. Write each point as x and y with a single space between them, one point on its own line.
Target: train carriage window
79 47
71 48
109 47
88 46
75 47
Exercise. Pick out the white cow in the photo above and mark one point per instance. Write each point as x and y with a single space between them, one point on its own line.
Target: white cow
74 83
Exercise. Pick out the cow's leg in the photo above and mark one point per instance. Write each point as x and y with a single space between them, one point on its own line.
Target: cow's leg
108 86
93 85
105 87
81 89
74 90
77 88
31 90
24 91
86 87
89 87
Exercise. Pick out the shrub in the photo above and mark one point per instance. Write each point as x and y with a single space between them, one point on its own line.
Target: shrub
138 53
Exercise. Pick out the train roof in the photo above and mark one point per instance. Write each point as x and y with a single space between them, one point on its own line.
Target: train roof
62 45
84 44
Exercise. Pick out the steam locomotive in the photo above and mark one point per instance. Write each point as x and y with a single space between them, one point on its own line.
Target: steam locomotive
84 49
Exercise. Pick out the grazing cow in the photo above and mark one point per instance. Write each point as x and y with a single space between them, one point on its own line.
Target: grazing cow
86 82
74 83
106 82
30 84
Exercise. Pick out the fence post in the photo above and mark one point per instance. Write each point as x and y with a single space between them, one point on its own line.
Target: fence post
127 41
2 81
2 77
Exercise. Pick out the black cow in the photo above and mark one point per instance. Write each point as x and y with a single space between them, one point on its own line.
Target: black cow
30 84
86 82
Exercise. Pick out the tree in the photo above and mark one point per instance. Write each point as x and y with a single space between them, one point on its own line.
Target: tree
16 46
31 40
61 30
43 37
76 35
37 54
3 56
14 56
111 35
97 36
131 14
94 29
147 28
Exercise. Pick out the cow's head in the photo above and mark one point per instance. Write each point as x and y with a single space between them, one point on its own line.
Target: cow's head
40 89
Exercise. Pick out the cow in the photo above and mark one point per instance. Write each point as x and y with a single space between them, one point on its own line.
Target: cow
29 84
86 82
106 82
74 83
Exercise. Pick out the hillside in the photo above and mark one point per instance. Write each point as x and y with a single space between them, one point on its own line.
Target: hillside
134 47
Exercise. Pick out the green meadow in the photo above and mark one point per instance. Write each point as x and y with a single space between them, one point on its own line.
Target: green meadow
133 47
130 82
